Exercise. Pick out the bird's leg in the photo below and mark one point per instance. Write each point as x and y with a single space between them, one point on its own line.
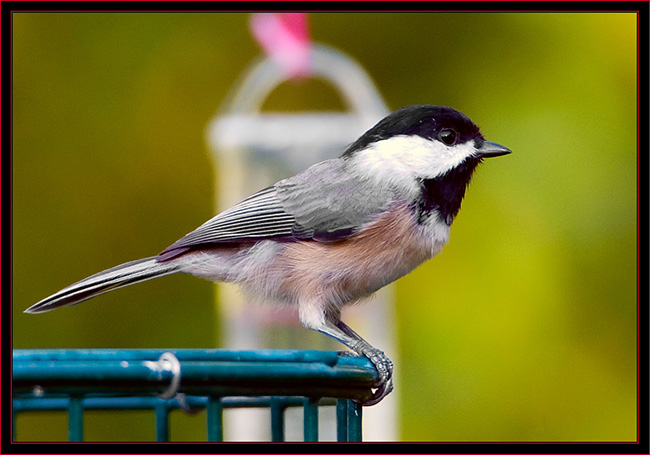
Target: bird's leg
378 358
313 317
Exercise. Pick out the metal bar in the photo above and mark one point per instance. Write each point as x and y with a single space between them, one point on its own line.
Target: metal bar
198 379
27 403
310 420
223 373
121 372
251 390
342 420
215 419
277 406
75 419
162 421
354 421
76 380
215 355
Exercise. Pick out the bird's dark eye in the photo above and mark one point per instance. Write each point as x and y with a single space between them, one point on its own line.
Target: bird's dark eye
448 136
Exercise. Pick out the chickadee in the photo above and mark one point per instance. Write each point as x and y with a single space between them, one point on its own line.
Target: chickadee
334 233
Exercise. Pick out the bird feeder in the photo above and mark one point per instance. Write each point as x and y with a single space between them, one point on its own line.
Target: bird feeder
253 149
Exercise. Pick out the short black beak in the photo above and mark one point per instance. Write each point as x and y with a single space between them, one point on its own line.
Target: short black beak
491 149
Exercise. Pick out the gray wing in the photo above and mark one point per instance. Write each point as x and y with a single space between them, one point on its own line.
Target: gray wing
324 203
329 202
258 216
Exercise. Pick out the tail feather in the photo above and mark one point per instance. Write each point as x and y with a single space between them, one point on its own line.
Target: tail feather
113 278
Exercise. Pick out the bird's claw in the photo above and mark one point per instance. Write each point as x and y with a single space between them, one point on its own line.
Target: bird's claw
384 367
346 353
384 389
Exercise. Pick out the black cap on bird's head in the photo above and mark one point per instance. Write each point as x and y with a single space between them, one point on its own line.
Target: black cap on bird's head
427 153
441 123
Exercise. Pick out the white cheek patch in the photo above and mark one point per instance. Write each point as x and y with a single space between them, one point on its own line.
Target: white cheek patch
403 159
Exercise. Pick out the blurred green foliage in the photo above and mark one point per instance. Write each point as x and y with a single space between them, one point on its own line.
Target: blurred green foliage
523 329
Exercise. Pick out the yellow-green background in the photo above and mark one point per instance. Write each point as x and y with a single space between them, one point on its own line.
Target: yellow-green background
524 328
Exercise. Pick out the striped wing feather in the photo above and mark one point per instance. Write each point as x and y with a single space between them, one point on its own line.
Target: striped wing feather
323 203
258 216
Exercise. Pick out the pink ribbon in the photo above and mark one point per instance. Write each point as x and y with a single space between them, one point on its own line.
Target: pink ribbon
285 37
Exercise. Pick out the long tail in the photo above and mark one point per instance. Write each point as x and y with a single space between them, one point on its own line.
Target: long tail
114 278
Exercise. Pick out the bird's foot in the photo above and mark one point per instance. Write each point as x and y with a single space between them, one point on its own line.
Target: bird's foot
384 367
